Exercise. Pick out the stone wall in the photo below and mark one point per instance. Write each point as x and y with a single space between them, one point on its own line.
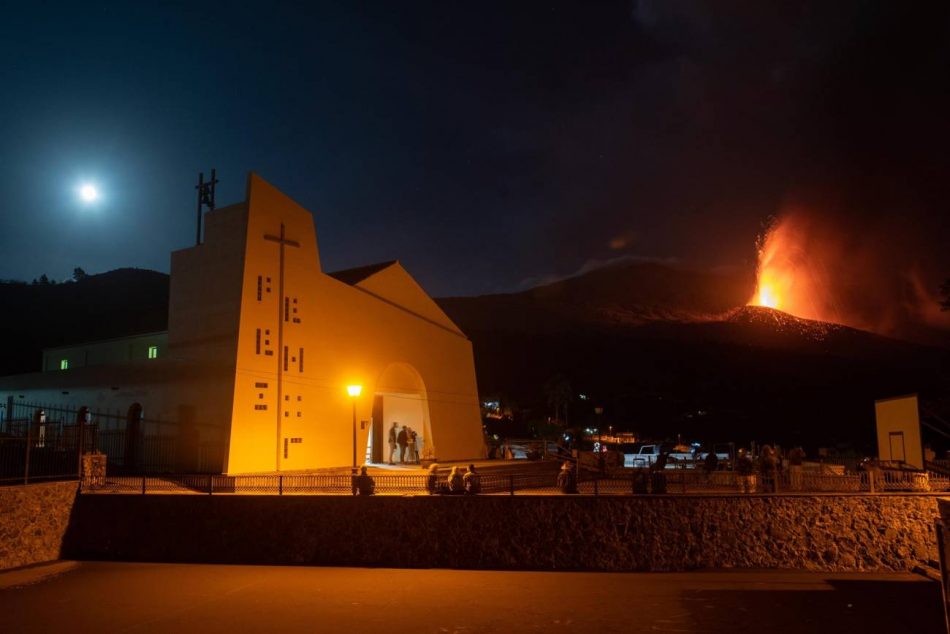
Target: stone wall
812 532
33 521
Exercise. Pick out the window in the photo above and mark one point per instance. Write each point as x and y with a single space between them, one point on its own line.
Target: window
64 364
153 352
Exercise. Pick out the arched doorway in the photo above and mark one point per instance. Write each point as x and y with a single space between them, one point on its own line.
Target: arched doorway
399 397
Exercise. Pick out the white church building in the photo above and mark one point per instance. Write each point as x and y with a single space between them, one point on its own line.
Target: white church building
262 345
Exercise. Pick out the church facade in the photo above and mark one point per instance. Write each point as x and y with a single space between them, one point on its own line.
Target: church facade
262 345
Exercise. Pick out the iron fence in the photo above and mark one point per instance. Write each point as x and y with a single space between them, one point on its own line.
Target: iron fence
639 482
45 442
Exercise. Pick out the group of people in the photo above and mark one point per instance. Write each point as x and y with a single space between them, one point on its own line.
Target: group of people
456 483
404 440
770 465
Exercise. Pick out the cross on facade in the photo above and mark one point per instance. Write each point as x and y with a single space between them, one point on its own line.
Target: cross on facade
283 241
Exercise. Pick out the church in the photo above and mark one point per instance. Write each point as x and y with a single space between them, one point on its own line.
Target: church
272 365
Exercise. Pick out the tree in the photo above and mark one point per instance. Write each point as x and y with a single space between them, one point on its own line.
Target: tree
945 291
558 392
44 279
79 274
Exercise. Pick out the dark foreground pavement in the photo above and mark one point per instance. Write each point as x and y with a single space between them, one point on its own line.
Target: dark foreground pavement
181 598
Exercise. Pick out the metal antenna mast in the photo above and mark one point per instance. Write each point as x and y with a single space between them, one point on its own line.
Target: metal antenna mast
205 199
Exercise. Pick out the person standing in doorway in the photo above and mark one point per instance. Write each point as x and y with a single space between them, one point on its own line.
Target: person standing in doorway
413 454
403 439
392 441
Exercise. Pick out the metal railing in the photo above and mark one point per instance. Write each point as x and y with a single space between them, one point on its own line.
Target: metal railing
633 482
49 448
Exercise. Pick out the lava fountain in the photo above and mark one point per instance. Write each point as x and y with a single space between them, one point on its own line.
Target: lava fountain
790 275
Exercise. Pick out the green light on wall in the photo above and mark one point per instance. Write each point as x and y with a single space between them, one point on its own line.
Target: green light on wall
153 352
64 364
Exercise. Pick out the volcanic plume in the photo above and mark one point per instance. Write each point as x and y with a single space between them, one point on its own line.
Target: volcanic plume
844 270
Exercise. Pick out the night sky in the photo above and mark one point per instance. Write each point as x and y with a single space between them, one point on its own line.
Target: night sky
488 146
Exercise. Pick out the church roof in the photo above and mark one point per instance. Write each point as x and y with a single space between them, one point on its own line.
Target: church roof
360 273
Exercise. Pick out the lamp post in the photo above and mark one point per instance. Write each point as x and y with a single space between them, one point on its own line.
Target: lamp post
599 411
354 392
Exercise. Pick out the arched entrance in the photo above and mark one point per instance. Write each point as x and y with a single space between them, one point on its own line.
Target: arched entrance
399 397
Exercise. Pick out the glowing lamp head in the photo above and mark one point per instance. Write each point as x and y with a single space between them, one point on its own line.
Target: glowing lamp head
88 193
354 390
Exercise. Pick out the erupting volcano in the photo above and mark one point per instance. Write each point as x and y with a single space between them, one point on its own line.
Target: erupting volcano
790 276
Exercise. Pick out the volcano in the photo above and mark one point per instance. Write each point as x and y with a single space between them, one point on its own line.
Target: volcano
669 351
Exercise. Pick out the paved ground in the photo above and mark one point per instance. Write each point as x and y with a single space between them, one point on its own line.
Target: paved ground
182 598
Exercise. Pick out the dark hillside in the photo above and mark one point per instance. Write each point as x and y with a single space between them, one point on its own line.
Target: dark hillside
113 304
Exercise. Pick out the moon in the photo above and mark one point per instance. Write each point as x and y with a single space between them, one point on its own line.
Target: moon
88 193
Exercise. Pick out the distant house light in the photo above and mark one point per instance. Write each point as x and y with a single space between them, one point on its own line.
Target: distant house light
153 352
64 364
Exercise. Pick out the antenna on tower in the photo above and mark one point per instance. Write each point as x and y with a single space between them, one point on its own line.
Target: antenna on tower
205 199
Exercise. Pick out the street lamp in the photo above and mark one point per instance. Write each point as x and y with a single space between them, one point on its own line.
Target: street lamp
599 411
354 392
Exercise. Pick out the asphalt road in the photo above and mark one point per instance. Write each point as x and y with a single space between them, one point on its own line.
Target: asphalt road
99 597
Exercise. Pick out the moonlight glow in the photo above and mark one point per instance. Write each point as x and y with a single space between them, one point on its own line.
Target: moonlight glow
88 193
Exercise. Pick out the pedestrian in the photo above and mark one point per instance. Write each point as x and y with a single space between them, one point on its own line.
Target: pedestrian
711 463
745 471
796 458
768 465
392 441
402 438
472 481
432 480
456 483
363 484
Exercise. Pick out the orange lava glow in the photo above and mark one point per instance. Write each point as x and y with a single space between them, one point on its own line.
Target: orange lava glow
789 276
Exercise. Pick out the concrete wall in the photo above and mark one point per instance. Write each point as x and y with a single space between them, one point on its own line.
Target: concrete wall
33 521
109 352
831 533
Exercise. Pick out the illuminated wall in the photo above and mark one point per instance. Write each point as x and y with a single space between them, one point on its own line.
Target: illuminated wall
305 335
898 431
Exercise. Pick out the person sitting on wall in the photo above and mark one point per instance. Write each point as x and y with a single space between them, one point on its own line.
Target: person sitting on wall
658 473
472 481
456 482
566 478
363 484
432 479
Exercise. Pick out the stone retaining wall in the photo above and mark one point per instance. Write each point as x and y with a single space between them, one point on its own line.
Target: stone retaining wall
813 532
33 521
